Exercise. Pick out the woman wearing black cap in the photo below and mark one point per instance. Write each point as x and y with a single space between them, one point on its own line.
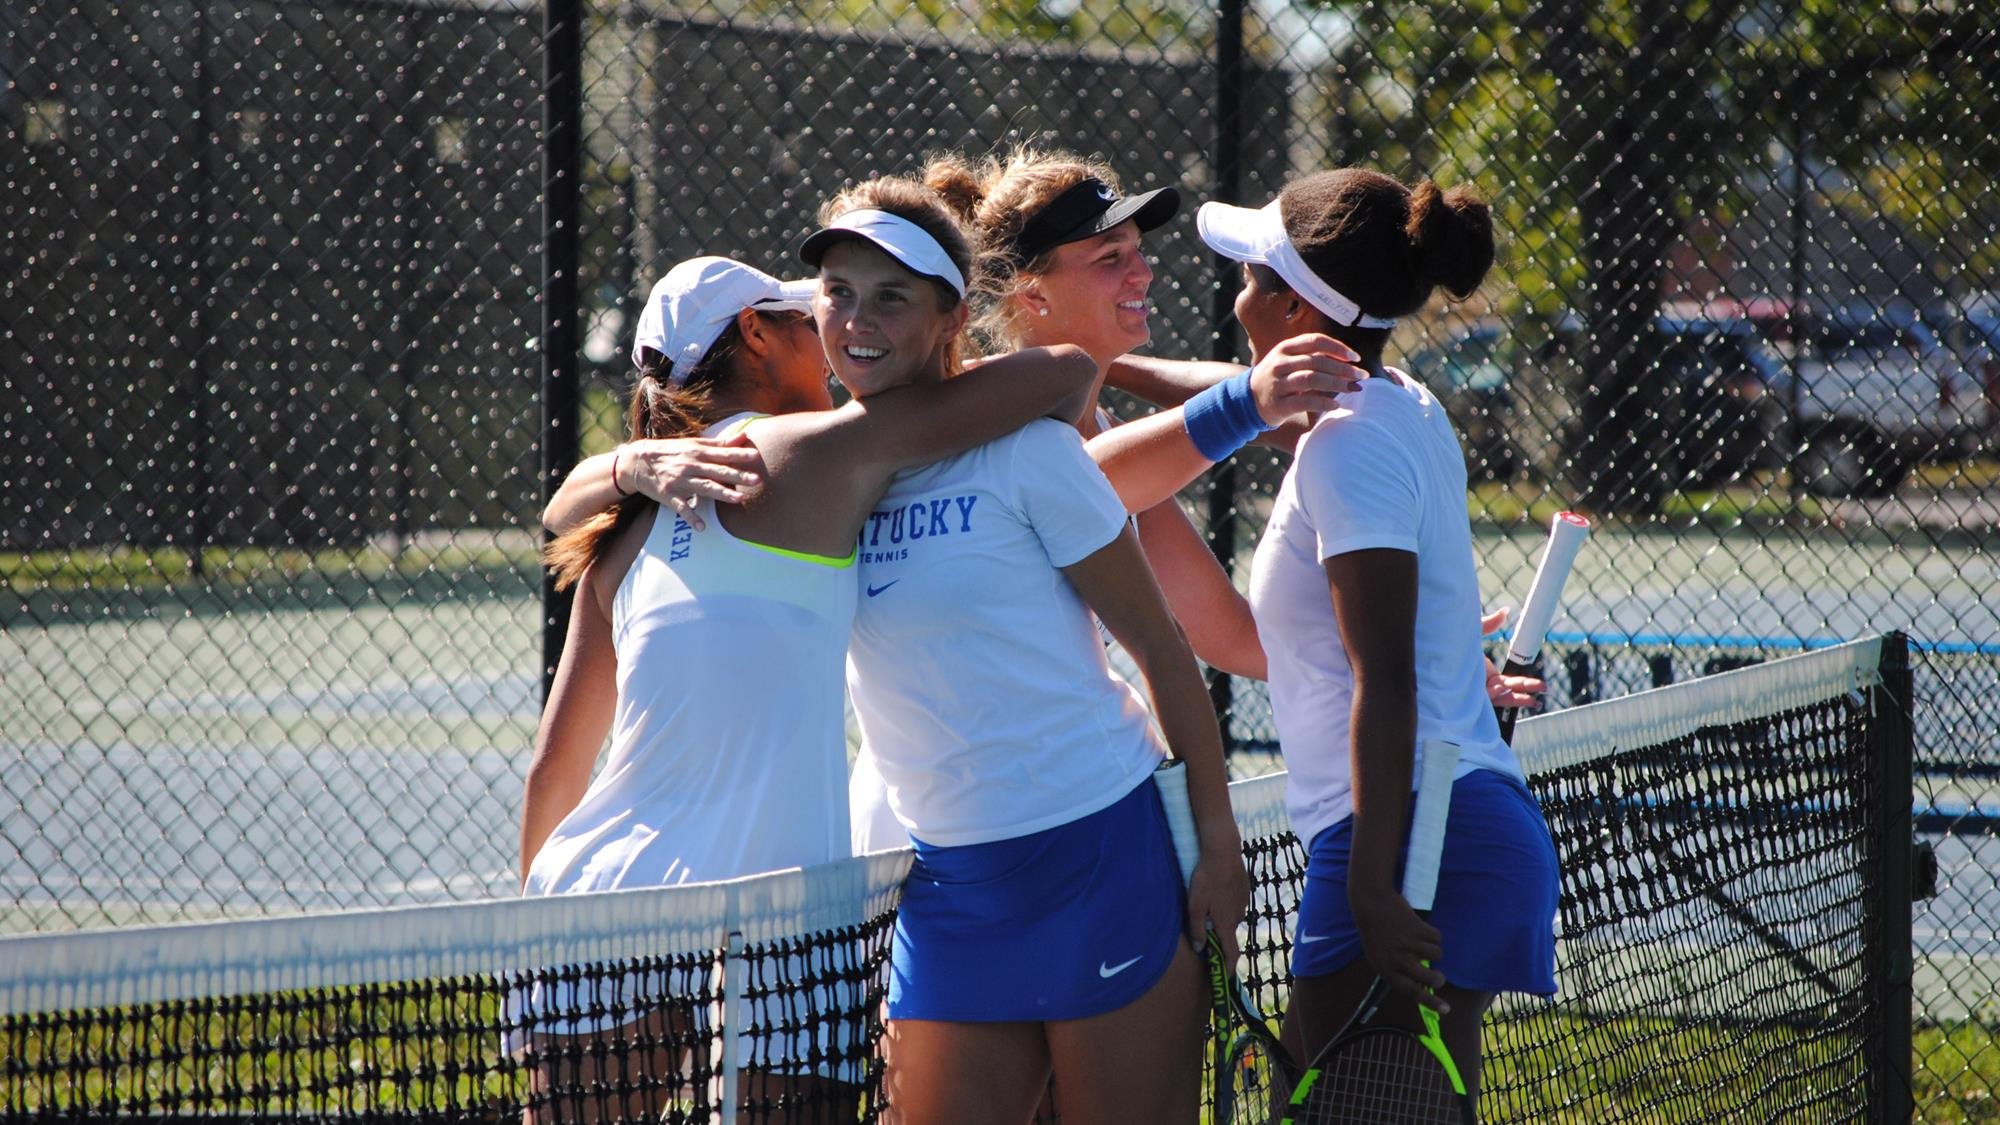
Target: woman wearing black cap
1067 267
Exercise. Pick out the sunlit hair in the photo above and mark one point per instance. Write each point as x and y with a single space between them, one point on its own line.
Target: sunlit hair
998 196
915 201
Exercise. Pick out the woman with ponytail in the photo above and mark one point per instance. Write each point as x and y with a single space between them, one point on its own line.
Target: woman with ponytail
708 642
1366 600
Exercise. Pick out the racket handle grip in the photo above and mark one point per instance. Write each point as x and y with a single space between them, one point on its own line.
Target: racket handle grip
1171 780
1427 823
1508 715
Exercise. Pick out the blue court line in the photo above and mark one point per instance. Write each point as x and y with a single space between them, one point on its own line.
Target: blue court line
1789 644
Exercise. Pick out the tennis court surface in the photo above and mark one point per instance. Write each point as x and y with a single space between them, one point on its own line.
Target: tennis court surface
1734 944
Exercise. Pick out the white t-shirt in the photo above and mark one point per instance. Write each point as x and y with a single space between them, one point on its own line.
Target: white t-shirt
976 672
1383 471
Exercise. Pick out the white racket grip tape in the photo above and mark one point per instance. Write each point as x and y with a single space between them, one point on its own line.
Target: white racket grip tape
1171 779
1566 535
1420 871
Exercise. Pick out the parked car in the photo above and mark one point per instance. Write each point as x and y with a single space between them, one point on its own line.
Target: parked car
1471 374
1724 418
1878 392
1977 335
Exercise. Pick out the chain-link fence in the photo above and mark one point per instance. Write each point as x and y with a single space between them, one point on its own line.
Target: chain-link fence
271 368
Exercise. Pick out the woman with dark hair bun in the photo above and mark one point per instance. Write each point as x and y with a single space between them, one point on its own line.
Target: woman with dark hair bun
1367 603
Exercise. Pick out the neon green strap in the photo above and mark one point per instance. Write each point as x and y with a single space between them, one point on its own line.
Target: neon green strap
737 427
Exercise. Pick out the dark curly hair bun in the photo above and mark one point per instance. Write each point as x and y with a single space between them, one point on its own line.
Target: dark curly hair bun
1451 238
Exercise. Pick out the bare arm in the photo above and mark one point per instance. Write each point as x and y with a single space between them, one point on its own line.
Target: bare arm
1215 616
666 469
1166 382
918 424
844 458
1171 382
1375 599
1153 458
574 723
1118 587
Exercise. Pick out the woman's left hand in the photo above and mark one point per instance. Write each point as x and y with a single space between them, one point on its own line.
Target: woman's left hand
1303 375
1218 895
1507 691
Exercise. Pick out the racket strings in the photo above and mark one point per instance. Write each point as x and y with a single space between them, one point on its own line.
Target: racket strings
1254 1083
1381 1078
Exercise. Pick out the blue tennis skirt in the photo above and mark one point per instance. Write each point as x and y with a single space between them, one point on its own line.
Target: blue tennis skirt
1496 895
1063 924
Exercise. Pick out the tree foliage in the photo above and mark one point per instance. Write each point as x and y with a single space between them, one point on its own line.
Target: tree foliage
1604 131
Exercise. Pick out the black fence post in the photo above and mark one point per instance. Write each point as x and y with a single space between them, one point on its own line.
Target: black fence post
1228 188
562 169
1893 841
201 205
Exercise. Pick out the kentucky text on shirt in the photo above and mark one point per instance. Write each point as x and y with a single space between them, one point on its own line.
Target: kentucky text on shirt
919 520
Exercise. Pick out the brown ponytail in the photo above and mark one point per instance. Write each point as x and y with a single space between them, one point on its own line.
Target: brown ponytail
658 409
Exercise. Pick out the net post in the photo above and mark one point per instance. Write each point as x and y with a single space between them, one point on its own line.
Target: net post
562 250
1890 742
735 966
1222 480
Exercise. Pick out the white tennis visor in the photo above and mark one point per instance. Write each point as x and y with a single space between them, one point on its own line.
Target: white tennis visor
690 308
898 237
1258 236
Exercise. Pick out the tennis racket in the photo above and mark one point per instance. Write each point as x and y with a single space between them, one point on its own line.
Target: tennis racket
1253 1075
1387 1075
1566 535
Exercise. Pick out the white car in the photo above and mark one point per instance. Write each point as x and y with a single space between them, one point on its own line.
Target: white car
1878 392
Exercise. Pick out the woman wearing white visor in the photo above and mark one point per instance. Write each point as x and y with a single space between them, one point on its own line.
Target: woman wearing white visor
1366 601
712 655
1044 926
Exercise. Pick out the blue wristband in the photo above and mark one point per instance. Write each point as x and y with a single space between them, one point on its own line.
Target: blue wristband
1223 418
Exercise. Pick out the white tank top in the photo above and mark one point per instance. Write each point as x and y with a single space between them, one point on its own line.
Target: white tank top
728 750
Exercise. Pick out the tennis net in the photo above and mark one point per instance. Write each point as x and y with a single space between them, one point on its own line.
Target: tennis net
1733 945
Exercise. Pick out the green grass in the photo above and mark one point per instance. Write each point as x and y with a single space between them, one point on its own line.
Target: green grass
131 568
1958 1073
1561 1069
1501 502
1568 1069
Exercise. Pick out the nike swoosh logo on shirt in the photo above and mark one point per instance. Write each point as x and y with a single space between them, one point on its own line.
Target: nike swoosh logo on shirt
1307 939
874 590
1108 971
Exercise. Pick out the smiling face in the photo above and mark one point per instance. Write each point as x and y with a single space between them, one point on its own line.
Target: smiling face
882 326
1095 293
1270 311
